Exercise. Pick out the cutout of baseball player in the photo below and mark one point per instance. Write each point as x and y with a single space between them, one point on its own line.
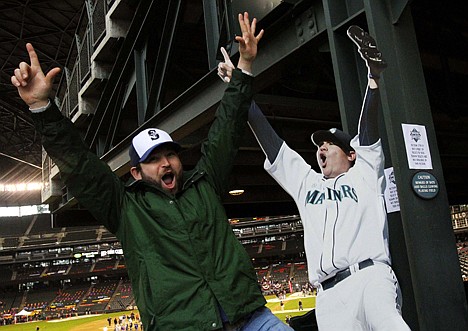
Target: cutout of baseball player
342 210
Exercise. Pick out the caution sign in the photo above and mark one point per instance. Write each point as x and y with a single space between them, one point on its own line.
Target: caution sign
425 185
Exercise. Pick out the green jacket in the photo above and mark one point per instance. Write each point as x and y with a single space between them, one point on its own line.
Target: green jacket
181 254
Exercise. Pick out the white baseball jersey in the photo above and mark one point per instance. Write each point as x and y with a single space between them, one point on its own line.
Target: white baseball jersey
344 218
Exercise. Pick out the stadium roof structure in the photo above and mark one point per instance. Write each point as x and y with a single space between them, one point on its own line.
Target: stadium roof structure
295 87
50 26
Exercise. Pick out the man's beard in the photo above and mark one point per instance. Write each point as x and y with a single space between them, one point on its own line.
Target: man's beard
149 179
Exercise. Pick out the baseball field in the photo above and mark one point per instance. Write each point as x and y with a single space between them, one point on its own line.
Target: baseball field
98 322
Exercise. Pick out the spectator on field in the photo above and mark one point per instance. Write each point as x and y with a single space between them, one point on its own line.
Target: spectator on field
181 253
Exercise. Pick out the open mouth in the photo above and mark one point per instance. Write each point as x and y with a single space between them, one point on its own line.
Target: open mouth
323 160
168 179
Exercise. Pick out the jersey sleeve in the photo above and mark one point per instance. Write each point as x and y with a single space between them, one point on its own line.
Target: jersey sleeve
290 170
370 163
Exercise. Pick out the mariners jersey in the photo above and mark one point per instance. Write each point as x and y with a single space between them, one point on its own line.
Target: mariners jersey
344 218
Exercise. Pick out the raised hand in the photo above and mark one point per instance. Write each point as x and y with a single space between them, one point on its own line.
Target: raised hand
33 86
225 68
367 48
247 42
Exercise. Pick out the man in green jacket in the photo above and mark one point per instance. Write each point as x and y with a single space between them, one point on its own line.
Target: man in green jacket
188 270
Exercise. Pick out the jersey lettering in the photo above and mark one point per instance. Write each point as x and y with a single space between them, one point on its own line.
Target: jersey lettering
315 198
345 191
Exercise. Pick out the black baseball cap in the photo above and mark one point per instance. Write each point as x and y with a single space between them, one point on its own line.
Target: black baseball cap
334 135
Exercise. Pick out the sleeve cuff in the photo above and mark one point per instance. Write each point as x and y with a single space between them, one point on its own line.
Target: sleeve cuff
247 72
49 113
40 109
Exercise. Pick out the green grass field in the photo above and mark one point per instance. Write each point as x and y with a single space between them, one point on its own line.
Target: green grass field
291 305
88 323
97 322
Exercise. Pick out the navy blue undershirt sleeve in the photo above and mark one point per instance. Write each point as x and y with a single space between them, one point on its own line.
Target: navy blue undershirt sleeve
266 136
368 123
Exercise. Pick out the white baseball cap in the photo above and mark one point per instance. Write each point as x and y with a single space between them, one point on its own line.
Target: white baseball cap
146 141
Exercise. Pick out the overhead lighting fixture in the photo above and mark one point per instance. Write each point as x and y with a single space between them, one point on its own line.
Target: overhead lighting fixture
20 187
235 187
236 192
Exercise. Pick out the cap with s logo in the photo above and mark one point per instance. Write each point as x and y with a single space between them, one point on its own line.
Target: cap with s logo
146 141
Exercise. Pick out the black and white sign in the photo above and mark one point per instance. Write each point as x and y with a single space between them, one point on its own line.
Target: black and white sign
425 185
417 146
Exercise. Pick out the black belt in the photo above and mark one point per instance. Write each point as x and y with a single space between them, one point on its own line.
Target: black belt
343 274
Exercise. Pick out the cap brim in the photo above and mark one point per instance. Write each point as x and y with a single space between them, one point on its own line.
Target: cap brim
172 144
321 136
325 135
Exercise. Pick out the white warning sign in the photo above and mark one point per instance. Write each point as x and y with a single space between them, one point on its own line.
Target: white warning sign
417 146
